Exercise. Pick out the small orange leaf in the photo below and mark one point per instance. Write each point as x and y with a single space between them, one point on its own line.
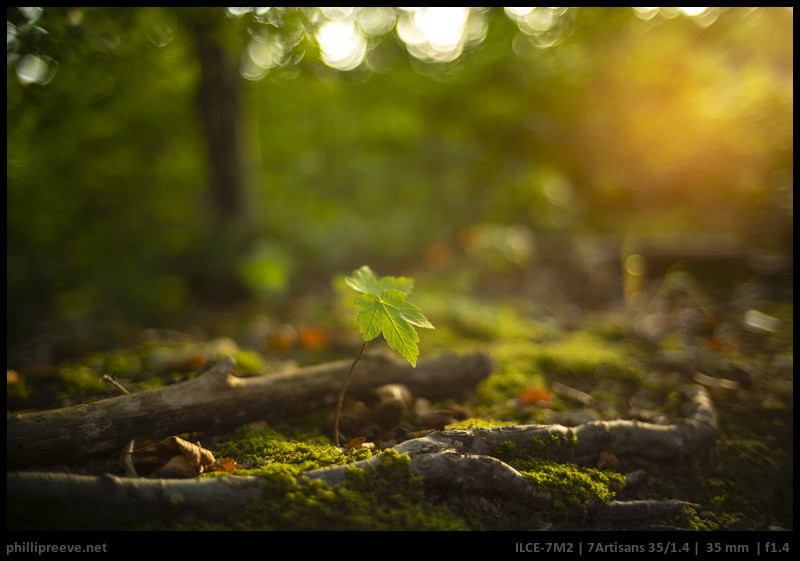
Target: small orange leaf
222 464
312 338
534 395
188 363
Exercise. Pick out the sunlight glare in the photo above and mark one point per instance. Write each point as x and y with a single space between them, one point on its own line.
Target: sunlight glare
443 26
36 70
263 54
692 11
436 34
375 21
545 26
703 17
342 45
645 13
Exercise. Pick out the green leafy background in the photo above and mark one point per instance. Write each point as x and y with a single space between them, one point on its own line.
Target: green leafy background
617 123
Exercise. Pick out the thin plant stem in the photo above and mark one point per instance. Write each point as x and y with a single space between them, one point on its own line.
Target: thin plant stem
341 397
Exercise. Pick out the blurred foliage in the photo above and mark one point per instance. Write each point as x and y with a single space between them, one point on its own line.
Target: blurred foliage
530 126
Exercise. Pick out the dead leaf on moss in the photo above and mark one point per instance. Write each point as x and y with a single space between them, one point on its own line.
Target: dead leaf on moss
169 458
177 467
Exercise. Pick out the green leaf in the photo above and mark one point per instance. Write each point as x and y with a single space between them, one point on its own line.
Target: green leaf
363 280
391 314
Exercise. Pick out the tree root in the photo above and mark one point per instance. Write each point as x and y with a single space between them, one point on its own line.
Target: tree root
456 460
637 510
461 459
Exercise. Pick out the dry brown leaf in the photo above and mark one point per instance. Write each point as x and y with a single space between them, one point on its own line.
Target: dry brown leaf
173 445
607 460
158 458
312 338
177 467
360 443
356 443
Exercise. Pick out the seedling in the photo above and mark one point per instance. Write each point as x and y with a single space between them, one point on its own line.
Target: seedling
382 307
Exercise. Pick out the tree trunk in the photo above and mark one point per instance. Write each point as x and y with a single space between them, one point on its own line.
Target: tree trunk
219 107
218 400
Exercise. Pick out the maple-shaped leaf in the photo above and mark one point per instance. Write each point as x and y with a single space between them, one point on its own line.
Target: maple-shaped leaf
391 314
383 308
364 280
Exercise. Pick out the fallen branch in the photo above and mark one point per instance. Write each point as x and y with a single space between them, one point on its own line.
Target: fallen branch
217 399
53 500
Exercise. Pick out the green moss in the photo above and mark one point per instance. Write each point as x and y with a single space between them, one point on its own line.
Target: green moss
387 497
690 519
552 447
751 478
581 360
571 487
583 356
515 369
248 362
473 422
265 448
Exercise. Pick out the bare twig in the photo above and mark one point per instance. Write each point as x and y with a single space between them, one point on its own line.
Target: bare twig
572 393
113 380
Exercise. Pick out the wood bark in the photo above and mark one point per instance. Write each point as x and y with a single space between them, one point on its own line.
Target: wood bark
455 460
49 501
458 458
217 399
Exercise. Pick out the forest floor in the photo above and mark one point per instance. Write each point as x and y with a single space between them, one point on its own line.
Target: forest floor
555 364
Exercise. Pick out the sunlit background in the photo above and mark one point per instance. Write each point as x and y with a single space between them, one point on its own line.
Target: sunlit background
165 159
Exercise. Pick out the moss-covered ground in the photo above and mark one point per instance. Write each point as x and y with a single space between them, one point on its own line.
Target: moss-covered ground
546 371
